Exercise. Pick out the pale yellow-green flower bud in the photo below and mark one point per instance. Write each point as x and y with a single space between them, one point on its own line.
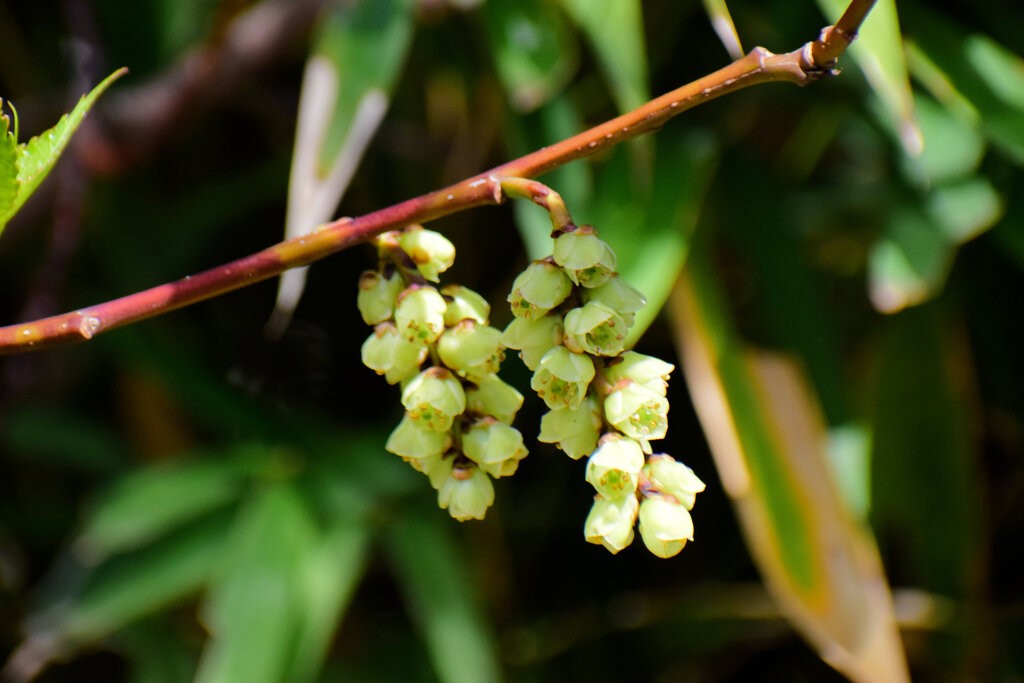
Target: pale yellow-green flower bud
464 303
496 447
647 371
388 353
667 475
617 295
614 468
491 396
471 350
562 378
587 260
575 431
419 314
638 412
466 493
533 338
665 526
377 294
433 398
538 289
413 442
430 251
595 329
610 522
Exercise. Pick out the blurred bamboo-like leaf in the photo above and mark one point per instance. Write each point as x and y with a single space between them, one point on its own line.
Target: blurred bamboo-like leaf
534 49
766 432
346 89
254 607
725 28
615 31
442 597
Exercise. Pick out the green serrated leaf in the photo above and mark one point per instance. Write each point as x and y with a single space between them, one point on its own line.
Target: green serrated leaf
8 167
37 157
534 49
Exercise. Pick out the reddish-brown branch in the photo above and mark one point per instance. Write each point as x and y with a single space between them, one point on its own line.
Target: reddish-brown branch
801 66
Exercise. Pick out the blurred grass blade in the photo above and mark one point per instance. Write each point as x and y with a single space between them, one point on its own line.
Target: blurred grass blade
441 598
765 430
8 167
721 22
615 31
253 608
151 502
333 570
878 51
534 49
346 88
37 157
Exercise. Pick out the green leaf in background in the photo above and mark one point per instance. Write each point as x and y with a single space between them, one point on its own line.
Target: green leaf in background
534 49
147 504
442 597
332 572
879 53
615 31
254 605
346 89
38 155
973 68
765 430
128 587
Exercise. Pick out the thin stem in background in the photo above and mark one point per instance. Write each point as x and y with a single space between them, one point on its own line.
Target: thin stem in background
804 65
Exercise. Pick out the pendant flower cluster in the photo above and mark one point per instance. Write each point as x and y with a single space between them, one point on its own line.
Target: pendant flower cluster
572 312
437 345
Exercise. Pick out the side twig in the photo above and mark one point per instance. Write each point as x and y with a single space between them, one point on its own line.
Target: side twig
804 65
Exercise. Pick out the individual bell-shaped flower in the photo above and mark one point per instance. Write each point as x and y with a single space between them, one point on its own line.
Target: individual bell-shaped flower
377 294
586 258
610 522
575 431
614 468
464 303
538 289
491 396
413 442
647 371
496 447
533 338
665 526
388 353
437 467
419 314
666 475
467 492
562 378
638 412
430 251
595 329
470 349
433 398
618 296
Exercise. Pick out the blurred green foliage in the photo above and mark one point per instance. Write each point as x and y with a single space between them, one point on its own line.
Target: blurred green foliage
185 496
